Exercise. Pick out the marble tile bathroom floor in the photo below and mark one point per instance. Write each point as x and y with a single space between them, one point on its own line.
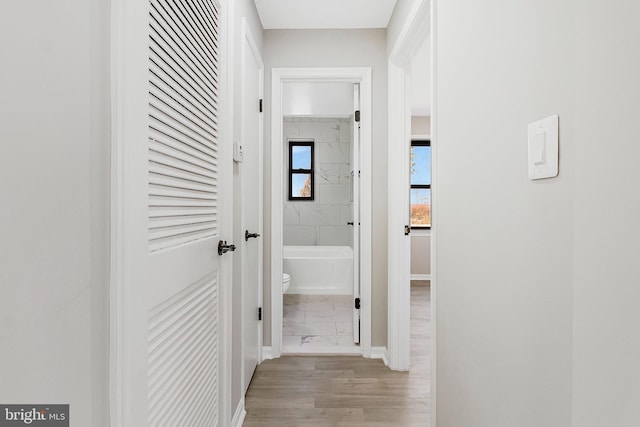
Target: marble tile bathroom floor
317 322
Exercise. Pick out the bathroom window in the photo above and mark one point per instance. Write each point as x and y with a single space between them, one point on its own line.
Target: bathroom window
300 170
421 184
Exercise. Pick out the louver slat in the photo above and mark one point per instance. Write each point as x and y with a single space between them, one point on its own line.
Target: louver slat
183 354
183 122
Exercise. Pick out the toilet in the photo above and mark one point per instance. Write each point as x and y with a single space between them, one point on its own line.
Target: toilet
286 280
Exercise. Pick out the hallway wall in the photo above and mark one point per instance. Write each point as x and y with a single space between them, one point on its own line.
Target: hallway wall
337 48
54 213
540 326
606 319
504 243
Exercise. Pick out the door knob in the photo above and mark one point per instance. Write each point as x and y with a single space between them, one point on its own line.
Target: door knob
248 235
223 248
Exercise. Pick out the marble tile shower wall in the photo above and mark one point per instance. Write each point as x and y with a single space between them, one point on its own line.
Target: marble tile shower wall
323 221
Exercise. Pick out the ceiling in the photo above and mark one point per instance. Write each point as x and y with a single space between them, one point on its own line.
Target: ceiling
320 14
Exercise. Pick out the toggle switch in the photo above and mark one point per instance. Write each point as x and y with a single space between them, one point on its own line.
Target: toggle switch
537 148
543 148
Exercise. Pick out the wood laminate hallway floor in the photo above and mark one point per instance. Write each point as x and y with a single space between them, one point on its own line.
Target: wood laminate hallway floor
349 391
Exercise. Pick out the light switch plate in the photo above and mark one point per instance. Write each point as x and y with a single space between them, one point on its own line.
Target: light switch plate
543 148
238 153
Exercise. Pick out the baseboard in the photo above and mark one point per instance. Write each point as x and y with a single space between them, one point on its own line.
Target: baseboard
380 353
319 291
327 350
266 353
421 277
238 417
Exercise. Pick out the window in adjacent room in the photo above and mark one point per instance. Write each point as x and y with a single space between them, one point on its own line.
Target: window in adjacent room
421 184
301 170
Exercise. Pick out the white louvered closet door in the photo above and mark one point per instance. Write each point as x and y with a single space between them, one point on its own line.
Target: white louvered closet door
172 182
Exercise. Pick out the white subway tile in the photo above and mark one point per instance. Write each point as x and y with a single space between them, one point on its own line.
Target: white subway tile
345 174
298 235
320 131
328 173
333 194
319 215
333 152
335 235
345 214
291 214
291 129
345 132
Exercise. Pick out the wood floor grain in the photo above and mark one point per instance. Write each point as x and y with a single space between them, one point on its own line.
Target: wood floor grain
349 391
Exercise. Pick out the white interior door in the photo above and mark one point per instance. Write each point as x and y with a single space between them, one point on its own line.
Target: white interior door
355 212
171 182
251 194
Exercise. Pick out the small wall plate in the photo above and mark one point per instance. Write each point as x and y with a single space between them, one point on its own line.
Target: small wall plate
543 148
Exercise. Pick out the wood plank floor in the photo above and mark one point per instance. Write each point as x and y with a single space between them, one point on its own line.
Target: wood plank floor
324 391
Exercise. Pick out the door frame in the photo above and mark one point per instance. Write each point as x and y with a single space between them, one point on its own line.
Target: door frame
421 20
248 40
280 76
118 226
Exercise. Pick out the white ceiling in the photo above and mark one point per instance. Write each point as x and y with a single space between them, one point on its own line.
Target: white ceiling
330 14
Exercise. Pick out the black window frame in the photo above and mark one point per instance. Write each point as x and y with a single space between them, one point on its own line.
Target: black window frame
301 143
420 143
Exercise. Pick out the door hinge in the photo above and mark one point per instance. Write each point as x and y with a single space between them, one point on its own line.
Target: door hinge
407 230
357 115
261 105
357 304
259 313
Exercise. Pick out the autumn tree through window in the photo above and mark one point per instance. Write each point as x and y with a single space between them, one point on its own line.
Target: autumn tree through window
301 170
421 184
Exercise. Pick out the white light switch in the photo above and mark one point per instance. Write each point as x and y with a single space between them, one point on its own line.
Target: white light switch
537 148
238 153
543 148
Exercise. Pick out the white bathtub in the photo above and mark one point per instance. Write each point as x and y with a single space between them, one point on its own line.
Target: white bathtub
319 270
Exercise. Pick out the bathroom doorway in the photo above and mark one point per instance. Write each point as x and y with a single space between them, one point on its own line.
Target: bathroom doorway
321 240
321 226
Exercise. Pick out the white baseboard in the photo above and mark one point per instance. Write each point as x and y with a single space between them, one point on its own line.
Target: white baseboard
326 350
328 290
380 353
238 417
266 353
421 277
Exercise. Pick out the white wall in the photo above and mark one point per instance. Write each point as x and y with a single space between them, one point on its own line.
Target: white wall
606 318
420 71
420 252
421 125
318 99
54 253
537 284
504 243
338 48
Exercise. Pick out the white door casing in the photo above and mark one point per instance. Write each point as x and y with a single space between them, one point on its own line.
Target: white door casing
170 179
355 211
251 202
280 76
411 36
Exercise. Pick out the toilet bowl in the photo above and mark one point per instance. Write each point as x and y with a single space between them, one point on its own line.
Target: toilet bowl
286 280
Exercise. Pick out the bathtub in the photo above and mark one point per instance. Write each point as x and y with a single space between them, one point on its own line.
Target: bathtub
319 270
